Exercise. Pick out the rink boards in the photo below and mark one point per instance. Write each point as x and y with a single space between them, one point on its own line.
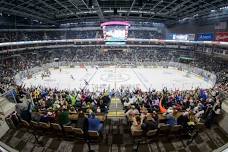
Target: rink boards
112 77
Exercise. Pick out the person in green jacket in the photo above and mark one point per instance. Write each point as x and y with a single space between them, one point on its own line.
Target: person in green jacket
73 100
64 117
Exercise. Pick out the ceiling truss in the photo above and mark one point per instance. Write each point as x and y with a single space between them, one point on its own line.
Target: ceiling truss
59 11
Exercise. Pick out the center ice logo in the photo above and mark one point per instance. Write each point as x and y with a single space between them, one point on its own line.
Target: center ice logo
115 77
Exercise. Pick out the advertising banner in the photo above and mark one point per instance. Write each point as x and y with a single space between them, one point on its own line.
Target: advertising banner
191 37
181 37
205 37
221 36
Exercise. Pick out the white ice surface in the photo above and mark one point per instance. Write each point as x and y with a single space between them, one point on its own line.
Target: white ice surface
114 78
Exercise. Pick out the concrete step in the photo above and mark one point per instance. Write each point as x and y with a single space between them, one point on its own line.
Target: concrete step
116 108
116 114
6 107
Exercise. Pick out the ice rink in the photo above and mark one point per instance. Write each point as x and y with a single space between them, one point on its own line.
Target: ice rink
115 78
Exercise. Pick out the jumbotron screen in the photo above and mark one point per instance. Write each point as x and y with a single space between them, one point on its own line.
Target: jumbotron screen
115 32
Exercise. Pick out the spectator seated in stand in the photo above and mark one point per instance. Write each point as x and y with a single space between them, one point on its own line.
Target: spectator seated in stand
132 112
82 122
95 124
136 124
170 119
183 120
150 122
64 117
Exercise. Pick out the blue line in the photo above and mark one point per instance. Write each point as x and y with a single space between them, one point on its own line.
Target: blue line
140 79
90 79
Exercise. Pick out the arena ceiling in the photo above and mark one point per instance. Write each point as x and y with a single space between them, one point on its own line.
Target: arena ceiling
64 11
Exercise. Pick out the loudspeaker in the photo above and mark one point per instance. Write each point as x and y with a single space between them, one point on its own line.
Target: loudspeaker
115 11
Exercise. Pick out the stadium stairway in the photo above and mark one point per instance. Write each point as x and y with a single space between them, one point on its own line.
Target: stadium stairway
115 108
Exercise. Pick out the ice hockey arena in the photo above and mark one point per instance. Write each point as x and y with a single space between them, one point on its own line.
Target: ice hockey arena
114 76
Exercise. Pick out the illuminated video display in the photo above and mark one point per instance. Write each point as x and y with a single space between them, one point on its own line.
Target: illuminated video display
115 32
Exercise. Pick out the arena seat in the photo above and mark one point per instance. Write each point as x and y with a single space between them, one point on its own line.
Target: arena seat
29 127
68 131
78 131
151 135
200 126
35 130
94 136
34 125
93 133
175 130
79 134
136 134
45 127
57 129
163 129
137 138
24 124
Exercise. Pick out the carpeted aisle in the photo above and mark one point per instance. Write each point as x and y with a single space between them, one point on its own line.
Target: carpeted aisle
115 108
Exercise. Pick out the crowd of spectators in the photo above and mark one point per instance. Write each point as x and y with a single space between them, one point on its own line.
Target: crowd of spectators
56 106
142 108
145 34
14 36
48 35
183 108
